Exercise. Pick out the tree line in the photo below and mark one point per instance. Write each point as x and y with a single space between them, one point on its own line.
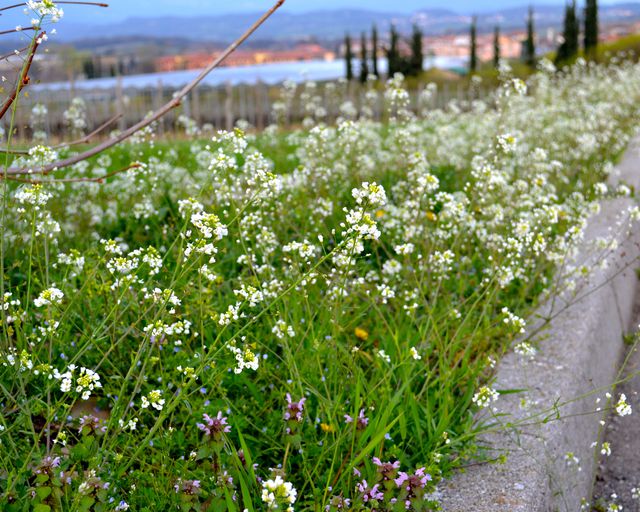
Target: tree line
411 63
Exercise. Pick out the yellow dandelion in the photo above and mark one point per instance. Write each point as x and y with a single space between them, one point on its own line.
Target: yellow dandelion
361 334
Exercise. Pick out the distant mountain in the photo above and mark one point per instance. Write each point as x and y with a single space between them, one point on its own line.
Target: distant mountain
326 25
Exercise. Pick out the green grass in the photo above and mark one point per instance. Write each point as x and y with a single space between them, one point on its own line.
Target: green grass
407 339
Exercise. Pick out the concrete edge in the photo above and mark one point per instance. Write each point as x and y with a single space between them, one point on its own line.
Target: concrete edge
579 354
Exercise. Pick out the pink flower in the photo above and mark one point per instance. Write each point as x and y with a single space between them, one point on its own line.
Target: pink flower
214 427
294 410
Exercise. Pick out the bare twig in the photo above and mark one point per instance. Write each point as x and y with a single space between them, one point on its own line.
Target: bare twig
23 80
82 140
167 107
14 151
96 4
14 53
87 138
13 30
99 179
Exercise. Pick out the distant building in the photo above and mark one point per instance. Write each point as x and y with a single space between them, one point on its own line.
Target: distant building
301 53
458 45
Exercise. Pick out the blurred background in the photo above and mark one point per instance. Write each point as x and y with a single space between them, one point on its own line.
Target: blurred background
130 57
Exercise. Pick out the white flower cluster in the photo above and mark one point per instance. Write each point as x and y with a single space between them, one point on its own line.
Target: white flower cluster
485 396
48 297
46 9
84 382
245 358
277 493
622 407
153 399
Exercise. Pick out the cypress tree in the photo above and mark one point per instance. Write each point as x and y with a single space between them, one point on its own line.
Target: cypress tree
374 51
496 48
348 56
473 60
569 47
364 64
591 27
416 61
393 54
530 43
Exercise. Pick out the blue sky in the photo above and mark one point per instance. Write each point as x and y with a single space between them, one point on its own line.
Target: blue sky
120 9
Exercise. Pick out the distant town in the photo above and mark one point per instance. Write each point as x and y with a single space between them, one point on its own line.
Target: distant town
128 55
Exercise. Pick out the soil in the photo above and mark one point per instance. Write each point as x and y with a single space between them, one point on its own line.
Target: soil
619 473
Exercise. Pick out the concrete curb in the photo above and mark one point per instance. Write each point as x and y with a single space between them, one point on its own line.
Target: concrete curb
579 354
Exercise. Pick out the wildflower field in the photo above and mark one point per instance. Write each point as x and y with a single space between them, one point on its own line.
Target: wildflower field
300 320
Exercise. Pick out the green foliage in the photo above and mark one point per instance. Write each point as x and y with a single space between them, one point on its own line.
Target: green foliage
348 57
394 58
416 58
473 50
530 43
569 47
364 59
374 52
496 47
591 27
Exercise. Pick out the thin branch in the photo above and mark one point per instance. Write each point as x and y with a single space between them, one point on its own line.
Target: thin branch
87 138
99 179
14 151
22 29
96 4
23 80
14 53
167 107
83 140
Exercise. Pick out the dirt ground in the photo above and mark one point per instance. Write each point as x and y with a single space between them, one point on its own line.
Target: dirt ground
619 473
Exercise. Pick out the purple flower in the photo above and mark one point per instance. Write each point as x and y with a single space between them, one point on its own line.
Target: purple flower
189 487
214 427
47 466
412 486
369 494
361 421
338 503
387 470
294 410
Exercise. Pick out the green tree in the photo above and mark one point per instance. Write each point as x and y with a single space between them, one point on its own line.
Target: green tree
89 68
416 60
569 47
473 58
364 64
374 51
530 42
393 53
591 27
496 47
348 56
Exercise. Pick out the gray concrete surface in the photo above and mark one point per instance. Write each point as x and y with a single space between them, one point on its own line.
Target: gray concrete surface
580 353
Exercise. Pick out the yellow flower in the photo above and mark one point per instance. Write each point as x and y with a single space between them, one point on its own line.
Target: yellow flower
379 214
361 334
327 428
431 216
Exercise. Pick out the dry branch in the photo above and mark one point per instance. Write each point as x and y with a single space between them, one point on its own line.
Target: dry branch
167 107
22 4
23 79
98 179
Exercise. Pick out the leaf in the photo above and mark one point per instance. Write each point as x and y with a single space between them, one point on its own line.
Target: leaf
43 492
41 507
